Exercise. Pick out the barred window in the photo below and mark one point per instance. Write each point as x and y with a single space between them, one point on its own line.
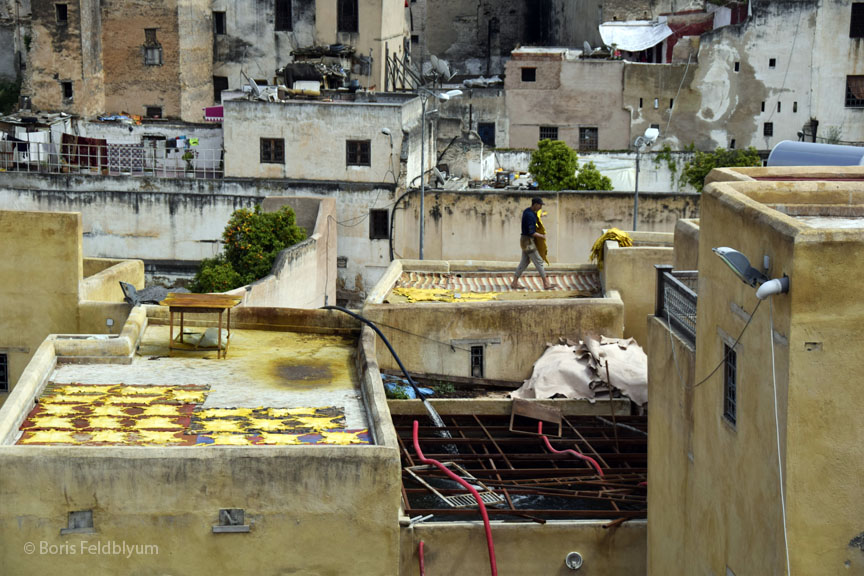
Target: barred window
477 361
548 132
730 384
358 152
588 139
768 129
854 91
272 151
347 16
4 373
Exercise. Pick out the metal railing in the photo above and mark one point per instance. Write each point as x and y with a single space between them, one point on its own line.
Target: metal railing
676 300
154 158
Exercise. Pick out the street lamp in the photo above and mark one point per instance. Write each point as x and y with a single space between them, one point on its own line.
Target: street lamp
648 139
424 96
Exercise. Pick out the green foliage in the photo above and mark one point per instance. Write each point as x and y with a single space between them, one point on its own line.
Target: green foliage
665 155
697 168
554 165
9 92
397 393
252 240
443 388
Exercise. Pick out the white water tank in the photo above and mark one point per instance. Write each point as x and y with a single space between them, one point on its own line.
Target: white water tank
789 153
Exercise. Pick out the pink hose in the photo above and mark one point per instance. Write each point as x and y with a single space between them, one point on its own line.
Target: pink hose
588 459
422 561
468 487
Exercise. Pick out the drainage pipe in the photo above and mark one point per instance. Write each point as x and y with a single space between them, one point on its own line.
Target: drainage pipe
588 459
422 561
492 564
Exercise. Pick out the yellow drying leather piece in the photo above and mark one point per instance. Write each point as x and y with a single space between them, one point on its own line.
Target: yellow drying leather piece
110 436
130 400
143 390
105 422
58 409
615 234
282 412
108 410
280 439
540 243
187 396
224 412
51 422
77 389
341 438
266 424
154 437
49 437
230 440
315 422
157 423
223 426
162 410
60 398
442 295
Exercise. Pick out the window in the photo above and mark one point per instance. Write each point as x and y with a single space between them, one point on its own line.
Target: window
671 103
272 151
220 83
732 144
67 90
737 66
772 63
283 15
657 126
379 225
854 91
763 106
730 384
640 102
486 130
152 48
778 106
529 74
4 373
415 38
477 361
79 522
856 23
153 111
347 20
768 129
795 107
358 153
62 13
656 103
587 139
150 36
219 23
548 132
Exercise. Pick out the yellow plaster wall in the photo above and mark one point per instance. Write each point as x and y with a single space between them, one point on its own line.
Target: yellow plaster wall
686 244
39 281
104 286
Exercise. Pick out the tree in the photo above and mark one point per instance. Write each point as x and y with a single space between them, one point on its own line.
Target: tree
554 165
698 167
252 240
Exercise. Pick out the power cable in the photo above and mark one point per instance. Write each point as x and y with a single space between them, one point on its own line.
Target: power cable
777 428
725 356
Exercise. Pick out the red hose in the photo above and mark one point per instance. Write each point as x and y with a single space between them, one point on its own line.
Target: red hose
468 487
422 561
588 459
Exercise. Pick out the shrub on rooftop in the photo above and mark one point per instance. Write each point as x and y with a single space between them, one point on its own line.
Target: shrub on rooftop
251 241
554 165
698 167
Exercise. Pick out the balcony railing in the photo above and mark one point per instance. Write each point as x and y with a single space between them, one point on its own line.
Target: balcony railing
153 158
676 300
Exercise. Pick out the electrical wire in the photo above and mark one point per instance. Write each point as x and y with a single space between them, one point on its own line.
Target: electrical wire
777 428
672 110
452 347
725 356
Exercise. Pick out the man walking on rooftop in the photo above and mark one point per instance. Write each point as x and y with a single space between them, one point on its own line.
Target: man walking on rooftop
529 248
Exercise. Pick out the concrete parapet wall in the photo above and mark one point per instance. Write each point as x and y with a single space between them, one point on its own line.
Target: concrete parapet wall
104 285
687 244
121 346
30 385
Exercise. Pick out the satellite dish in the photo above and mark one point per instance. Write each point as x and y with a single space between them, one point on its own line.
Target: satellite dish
252 85
586 47
444 69
434 61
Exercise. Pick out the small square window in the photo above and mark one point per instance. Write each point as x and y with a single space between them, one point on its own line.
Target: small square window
486 130
220 83
778 106
795 107
588 139
671 103
347 17
153 112
737 66
272 151
358 153
477 361
4 373
732 144
284 21
640 102
854 91
79 522
67 90
856 23
219 23
763 106
61 11
415 39
548 133
379 225
772 63
150 36
657 126
768 129
529 74
153 55
730 384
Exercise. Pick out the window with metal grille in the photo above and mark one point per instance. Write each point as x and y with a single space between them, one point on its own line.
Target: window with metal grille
768 129
4 373
220 83
588 139
67 90
379 225
548 132
347 16
61 11
856 22
283 15
730 384
152 49
357 152
486 130
854 91
529 74
153 112
272 151
477 361
219 23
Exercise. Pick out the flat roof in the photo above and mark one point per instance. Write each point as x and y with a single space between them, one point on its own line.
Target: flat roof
413 286
274 388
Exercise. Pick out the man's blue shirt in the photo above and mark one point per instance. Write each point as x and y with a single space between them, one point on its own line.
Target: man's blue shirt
529 222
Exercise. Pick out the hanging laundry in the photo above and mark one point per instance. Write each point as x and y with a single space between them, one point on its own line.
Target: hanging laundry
193 141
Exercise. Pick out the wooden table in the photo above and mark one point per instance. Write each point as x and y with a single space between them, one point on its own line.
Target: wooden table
201 304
